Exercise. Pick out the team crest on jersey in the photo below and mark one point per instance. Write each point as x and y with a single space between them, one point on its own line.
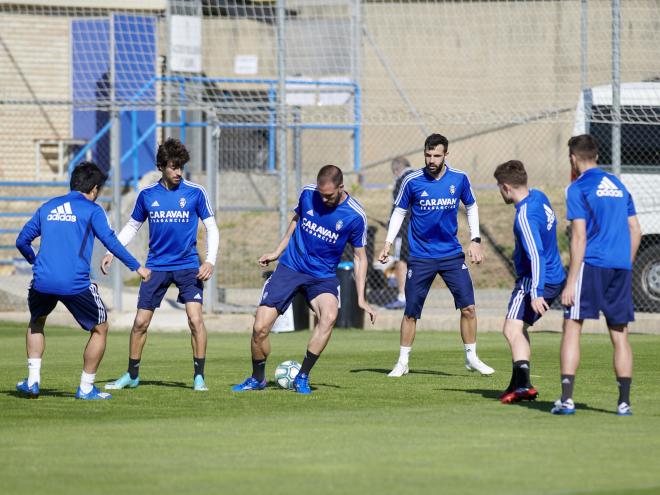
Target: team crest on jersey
452 189
409 274
182 202
339 225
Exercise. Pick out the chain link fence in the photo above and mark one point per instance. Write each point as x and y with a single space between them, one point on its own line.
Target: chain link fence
264 93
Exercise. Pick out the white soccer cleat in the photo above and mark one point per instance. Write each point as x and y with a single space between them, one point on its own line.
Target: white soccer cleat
399 370
476 364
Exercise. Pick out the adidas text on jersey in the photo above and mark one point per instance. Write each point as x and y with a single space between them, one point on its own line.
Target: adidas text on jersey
62 213
608 188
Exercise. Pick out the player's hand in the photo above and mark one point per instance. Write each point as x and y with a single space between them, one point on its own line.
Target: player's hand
144 273
106 262
475 254
540 306
372 314
268 258
205 271
385 253
568 295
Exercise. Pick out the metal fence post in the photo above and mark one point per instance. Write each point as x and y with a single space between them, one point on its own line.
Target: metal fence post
616 87
281 114
211 186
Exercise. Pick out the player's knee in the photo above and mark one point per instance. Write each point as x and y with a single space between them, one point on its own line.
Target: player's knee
329 318
101 329
140 326
469 312
260 331
196 323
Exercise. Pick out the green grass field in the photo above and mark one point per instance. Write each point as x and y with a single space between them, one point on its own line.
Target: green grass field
437 430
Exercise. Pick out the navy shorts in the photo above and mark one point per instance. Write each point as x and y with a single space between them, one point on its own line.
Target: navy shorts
282 285
422 272
520 304
86 306
191 289
603 289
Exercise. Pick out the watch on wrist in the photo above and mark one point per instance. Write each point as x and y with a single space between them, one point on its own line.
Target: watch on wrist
477 240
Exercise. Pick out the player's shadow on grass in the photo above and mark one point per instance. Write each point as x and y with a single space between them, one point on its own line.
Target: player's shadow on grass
385 371
44 392
539 405
162 383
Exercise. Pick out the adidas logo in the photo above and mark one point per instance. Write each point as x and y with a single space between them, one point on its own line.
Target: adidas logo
197 296
310 213
62 213
550 216
464 267
424 194
155 203
608 188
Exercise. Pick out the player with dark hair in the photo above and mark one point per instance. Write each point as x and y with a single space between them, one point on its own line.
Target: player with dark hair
432 194
400 170
605 236
173 207
325 219
540 274
67 226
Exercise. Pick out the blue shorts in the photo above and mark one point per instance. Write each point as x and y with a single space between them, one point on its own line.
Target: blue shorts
86 306
191 289
603 289
282 285
520 304
422 272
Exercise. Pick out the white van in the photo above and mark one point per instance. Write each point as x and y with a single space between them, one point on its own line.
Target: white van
640 169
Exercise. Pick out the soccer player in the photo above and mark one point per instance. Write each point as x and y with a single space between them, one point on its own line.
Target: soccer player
605 236
432 193
173 207
540 274
67 226
400 169
325 219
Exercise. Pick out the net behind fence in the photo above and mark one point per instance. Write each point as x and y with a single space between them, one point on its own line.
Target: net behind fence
366 81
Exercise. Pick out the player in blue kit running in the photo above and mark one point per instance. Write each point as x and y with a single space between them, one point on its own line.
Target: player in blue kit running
539 272
605 238
67 226
325 219
432 194
173 207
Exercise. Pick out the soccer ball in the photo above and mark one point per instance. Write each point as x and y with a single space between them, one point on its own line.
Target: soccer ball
285 373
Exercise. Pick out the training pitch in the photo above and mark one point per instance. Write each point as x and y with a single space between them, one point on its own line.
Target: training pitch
439 429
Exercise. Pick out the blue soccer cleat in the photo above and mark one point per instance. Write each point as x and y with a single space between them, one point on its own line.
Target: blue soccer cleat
94 394
199 385
623 409
301 384
566 407
32 392
250 383
125 381
396 304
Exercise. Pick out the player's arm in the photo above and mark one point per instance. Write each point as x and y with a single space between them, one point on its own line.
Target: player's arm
126 235
212 243
30 231
102 230
528 231
578 247
635 236
360 264
129 231
270 257
635 229
470 201
396 220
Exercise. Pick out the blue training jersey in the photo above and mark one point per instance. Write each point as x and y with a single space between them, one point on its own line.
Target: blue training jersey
67 226
605 204
536 255
434 211
173 217
318 241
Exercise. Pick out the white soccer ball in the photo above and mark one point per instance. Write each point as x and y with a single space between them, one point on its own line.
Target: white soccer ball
286 372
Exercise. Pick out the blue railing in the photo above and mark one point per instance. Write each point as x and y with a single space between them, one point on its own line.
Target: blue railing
271 125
